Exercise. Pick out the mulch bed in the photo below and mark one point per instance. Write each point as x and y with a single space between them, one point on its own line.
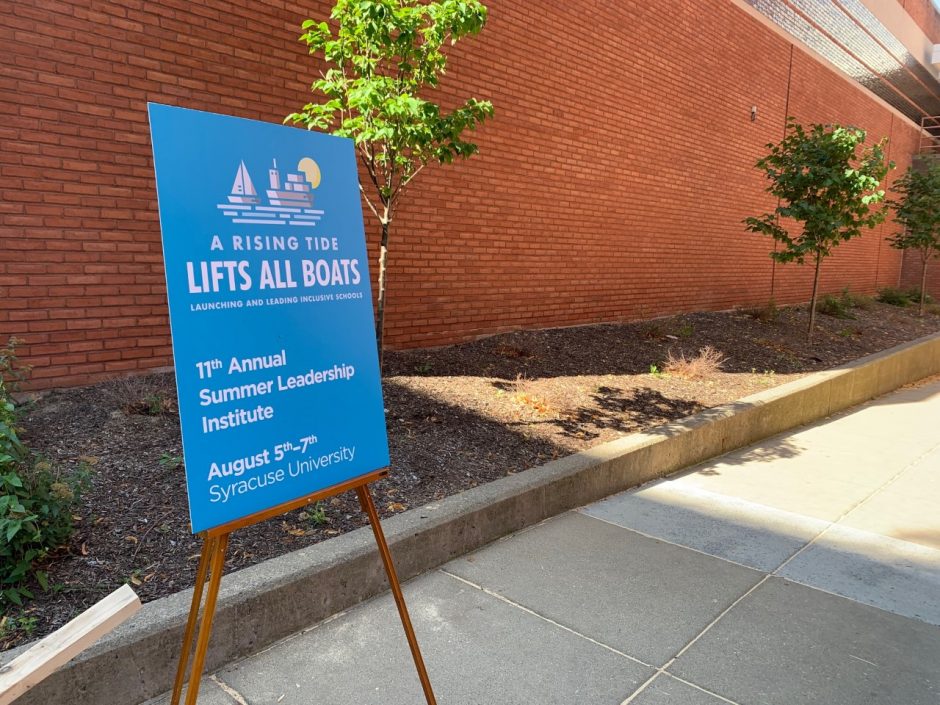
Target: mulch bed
457 417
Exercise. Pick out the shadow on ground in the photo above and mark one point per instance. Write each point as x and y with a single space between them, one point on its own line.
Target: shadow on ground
623 411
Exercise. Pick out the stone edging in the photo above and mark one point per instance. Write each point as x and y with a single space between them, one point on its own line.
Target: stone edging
269 601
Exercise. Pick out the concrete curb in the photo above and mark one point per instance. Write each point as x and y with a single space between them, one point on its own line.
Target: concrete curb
264 603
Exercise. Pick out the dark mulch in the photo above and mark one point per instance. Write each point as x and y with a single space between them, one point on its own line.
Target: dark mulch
457 417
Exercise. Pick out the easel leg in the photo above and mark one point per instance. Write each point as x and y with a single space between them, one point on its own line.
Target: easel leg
368 506
212 561
208 549
202 642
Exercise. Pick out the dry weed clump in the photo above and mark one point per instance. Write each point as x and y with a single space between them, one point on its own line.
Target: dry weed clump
768 313
511 351
148 395
529 394
706 363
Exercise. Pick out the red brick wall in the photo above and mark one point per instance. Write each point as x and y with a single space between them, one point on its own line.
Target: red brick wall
924 14
913 270
611 184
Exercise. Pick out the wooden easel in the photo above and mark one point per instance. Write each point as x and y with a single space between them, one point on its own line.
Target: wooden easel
212 564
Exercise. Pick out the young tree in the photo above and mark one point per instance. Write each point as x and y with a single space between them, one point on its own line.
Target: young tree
380 55
824 185
918 210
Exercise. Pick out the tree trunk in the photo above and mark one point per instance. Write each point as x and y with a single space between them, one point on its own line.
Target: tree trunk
380 306
812 303
923 288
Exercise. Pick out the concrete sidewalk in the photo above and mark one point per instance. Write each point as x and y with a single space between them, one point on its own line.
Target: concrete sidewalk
805 569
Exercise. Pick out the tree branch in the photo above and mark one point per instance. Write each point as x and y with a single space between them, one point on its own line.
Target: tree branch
368 163
369 202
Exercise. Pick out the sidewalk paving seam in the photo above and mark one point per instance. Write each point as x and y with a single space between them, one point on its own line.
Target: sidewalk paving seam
658 671
837 521
685 648
698 687
724 612
532 612
690 548
889 482
775 572
228 690
716 620
646 684
661 673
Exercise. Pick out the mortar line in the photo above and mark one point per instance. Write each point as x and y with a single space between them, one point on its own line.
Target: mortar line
542 617
228 690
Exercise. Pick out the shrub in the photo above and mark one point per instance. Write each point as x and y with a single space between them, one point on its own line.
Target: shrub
652 331
146 395
865 303
768 313
840 306
35 503
850 300
834 306
914 294
707 362
894 297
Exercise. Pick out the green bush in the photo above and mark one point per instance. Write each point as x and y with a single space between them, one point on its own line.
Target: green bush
894 297
914 295
865 303
35 504
841 306
837 306
768 313
850 300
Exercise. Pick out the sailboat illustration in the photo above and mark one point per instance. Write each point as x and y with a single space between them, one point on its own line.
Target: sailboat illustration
243 191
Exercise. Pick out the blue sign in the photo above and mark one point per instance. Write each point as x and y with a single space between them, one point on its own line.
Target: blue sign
270 311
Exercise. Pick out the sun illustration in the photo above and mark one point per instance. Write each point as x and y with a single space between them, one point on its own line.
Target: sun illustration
309 167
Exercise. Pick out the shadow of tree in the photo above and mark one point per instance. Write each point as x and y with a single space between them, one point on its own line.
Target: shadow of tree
768 451
438 448
624 412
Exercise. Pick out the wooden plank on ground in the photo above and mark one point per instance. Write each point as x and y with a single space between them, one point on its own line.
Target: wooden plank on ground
38 662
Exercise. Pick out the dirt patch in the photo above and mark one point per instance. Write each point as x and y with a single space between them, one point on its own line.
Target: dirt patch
457 417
